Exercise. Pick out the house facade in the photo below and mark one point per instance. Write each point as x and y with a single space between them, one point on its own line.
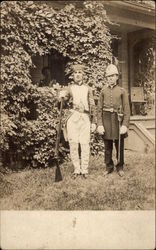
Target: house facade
136 31
135 28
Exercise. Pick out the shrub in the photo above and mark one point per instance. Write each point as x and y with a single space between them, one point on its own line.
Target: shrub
78 33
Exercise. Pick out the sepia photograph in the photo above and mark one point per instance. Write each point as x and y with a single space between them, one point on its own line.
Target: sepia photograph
77 159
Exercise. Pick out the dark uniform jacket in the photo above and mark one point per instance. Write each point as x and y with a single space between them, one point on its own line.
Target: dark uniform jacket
110 100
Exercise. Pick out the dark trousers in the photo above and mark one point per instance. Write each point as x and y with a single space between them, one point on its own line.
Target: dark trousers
108 154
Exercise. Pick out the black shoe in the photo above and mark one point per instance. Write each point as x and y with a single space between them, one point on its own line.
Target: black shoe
121 173
107 172
85 176
74 176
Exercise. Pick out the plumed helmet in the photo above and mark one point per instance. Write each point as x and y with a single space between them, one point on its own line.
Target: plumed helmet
111 70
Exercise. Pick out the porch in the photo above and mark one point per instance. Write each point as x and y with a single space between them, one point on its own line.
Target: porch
135 31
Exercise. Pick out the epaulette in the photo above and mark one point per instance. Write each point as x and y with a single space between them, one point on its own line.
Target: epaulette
122 89
104 87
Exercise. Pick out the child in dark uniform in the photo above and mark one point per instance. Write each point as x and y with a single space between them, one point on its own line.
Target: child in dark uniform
111 98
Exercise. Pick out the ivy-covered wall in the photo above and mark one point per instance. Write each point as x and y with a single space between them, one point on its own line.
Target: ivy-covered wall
29 29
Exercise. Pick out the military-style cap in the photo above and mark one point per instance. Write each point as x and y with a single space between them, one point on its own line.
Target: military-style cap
76 67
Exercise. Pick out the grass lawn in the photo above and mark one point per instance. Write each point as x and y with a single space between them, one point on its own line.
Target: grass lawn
35 189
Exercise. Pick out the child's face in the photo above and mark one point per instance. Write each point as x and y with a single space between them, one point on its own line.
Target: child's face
78 76
112 79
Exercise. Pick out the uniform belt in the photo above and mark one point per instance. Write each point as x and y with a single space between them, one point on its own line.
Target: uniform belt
79 110
112 110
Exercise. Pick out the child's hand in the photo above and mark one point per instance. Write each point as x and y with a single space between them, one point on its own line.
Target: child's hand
123 130
62 94
93 127
100 130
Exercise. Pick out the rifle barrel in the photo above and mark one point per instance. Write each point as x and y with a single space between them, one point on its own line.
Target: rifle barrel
58 175
59 130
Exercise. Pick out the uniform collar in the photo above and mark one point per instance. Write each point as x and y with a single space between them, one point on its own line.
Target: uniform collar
111 86
82 83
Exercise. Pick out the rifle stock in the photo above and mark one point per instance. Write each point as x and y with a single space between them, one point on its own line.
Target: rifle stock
58 175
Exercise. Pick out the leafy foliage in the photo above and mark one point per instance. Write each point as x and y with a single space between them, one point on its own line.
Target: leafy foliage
40 135
79 34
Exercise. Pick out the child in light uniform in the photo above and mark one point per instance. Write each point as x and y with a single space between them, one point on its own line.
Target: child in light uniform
81 120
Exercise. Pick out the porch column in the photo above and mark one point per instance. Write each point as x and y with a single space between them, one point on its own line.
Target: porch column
123 58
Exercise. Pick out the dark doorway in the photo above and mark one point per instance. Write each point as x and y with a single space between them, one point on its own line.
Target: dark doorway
57 64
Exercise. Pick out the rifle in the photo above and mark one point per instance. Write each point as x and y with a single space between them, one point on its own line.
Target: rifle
58 175
120 117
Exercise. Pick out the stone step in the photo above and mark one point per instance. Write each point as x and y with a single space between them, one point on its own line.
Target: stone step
139 139
151 129
145 120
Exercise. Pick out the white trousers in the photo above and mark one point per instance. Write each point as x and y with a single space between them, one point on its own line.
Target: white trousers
78 131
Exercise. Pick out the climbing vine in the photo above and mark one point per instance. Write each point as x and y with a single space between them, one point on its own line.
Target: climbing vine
30 28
